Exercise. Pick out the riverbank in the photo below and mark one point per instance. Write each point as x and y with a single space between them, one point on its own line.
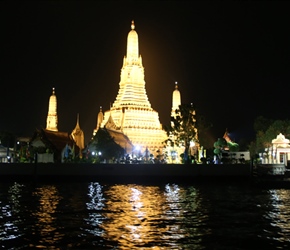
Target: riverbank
122 171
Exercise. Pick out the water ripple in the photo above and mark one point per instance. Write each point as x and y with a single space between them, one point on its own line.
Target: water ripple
96 215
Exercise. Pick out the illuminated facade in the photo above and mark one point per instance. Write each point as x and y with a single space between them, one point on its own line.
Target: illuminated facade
131 112
176 100
51 121
278 152
78 136
174 151
99 120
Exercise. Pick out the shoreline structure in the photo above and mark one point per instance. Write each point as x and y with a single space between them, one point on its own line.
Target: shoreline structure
186 172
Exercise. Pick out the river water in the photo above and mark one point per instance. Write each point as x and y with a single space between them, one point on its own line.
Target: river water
100 215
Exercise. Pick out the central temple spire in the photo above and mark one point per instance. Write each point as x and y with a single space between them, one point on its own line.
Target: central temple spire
131 113
132 45
132 90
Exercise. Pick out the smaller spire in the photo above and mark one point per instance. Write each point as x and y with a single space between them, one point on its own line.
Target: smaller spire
78 118
132 25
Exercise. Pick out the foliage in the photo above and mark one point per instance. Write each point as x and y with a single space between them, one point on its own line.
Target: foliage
183 127
219 146
203 126
233 146
26 154
262 124
267 130
104 143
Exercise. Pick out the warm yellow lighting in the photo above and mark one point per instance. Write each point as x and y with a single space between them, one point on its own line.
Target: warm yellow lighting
78 136
176 100
132 112
46 214
131 210
51 121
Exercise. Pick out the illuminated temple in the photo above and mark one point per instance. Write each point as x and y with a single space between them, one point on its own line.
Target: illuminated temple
51 121
131 113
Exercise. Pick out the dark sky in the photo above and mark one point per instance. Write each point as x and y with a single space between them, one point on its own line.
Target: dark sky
231 59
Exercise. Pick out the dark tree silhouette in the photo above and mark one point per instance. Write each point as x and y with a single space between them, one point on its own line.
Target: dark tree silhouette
183 127
104 143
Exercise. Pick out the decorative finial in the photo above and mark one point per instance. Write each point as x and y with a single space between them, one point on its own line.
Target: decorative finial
78 118
176 85
132 25
53 91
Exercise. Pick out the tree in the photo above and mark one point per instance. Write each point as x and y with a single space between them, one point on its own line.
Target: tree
102 142
233 146
265 136
183 128
219 146
203 127
266 130
262 124
222 147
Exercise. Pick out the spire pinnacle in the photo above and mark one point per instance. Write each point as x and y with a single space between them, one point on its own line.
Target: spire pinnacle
176 85
78 118
132 25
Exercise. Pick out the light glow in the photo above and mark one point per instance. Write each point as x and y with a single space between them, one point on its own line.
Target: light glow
132 112
51 121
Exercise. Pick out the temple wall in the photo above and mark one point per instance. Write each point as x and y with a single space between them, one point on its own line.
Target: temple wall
100 171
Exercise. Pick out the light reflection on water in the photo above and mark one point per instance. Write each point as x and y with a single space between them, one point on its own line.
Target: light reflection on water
130 216
46 224
139 216
278 214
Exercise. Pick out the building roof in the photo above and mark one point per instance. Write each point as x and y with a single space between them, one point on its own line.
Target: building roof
121 139
55 140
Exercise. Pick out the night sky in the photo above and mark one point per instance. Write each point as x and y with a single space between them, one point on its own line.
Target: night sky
230 59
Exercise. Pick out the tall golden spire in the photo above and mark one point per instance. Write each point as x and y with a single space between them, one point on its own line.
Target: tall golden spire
51 121
132 46
131 112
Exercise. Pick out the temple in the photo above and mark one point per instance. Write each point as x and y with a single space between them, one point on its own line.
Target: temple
176 100
51 121
131 113
52 145
78 136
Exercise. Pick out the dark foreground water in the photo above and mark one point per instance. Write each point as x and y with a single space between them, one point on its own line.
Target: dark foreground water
96 215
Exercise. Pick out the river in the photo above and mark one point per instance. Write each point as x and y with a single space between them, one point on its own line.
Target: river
103 215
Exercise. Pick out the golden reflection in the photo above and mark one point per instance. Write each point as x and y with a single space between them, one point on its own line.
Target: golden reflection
134 215
139 217
46 224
